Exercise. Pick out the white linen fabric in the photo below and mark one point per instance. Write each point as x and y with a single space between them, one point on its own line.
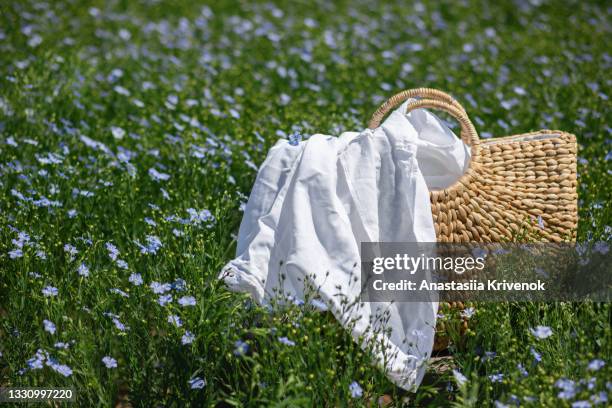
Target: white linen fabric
315 202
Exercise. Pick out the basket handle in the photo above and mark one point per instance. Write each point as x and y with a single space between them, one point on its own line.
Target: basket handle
468 131
435 99
395 100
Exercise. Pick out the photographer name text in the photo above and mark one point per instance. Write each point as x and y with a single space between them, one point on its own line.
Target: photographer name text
472 285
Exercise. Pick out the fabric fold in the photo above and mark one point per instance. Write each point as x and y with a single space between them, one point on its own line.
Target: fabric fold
311 207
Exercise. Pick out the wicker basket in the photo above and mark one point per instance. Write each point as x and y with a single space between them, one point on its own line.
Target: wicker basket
520 187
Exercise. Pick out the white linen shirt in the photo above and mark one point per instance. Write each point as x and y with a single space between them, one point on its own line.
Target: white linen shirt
315 202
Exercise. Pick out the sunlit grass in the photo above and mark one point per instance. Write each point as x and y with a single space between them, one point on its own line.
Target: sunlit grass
146 121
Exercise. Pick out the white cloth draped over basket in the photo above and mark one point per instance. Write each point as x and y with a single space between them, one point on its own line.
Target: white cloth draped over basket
315 202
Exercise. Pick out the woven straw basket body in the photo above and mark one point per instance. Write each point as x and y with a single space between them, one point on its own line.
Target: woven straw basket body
517 187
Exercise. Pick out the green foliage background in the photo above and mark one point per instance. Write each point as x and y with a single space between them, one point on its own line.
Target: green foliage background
201 91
